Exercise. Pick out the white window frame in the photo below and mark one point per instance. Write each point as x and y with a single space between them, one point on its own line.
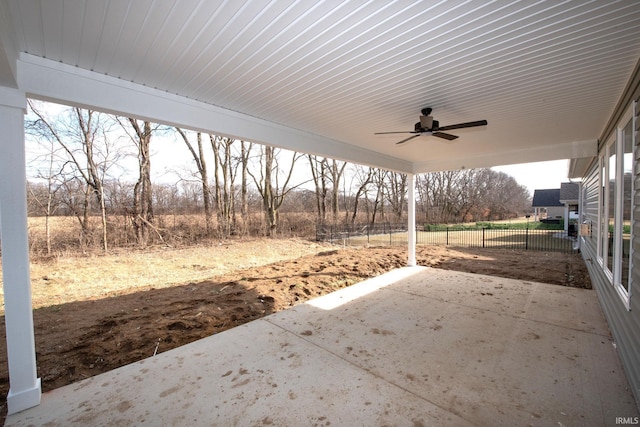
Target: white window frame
616 141
603 208
625 294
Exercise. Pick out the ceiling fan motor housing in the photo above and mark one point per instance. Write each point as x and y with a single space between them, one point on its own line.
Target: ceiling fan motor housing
427 123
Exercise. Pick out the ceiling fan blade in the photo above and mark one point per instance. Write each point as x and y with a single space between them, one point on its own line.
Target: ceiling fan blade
444 135
387 133
464 125
407 139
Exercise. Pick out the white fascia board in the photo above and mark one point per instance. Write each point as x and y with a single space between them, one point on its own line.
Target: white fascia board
56 82
569 150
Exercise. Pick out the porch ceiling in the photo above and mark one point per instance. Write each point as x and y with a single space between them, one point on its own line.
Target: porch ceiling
327 75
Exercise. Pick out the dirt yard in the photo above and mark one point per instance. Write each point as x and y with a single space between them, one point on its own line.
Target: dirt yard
83 329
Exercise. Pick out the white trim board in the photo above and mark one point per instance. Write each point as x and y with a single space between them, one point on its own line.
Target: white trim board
57 82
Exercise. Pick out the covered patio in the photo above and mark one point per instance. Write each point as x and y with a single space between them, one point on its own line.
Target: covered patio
322 78
416 346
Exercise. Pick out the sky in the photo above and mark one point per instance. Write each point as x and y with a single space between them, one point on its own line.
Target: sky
539 175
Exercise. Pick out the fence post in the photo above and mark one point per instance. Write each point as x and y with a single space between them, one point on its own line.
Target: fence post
483 236
526 239
447 243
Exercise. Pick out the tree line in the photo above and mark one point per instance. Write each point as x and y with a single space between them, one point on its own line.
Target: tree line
97 168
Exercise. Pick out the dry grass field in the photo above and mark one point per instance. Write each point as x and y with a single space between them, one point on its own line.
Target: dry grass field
60 280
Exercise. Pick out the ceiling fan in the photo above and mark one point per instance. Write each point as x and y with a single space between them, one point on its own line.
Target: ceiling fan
428 126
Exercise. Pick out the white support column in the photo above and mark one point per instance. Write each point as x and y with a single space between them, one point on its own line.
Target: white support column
24 386
566 217
411 231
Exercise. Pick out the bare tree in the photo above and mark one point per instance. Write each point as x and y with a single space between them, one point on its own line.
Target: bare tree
47 203
273 195
89 124
464 195
337 172
83 136
142 210
507 198
396 184
319 174
245 153
224 171
201 164
49 169
379 176
326 174
364 178
438 194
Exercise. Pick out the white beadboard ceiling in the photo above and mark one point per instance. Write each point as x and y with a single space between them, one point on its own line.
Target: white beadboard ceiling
545 74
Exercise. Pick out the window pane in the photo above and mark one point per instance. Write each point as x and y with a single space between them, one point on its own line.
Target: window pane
611 249
626 202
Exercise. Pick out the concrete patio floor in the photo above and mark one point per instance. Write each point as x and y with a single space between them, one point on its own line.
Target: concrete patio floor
414 347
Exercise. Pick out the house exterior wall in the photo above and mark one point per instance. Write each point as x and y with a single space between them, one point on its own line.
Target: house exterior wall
555 211
620 303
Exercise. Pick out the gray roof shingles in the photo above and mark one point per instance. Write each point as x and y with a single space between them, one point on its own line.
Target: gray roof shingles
569 191
546 198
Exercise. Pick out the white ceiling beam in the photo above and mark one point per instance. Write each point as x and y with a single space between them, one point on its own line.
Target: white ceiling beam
56 82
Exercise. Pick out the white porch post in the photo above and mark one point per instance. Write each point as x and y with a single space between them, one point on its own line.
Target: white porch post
411 227
566 217
24 386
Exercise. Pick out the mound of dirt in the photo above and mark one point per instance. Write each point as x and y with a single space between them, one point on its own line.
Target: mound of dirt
81 339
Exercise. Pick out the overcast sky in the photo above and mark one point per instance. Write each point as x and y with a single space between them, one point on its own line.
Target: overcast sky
538 176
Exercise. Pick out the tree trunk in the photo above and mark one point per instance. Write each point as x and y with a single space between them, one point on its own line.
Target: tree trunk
319 175
244 202
201 164
223 182
142 191
272 194
268 198
365 180
336 175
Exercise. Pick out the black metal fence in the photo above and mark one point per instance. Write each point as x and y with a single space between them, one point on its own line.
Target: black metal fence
480 237
357 234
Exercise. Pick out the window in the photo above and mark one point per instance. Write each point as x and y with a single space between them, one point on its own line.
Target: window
615 210
626 205
603 215
611 208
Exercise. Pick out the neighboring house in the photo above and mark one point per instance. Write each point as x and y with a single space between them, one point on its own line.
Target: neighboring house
569 197
557 203
546 204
